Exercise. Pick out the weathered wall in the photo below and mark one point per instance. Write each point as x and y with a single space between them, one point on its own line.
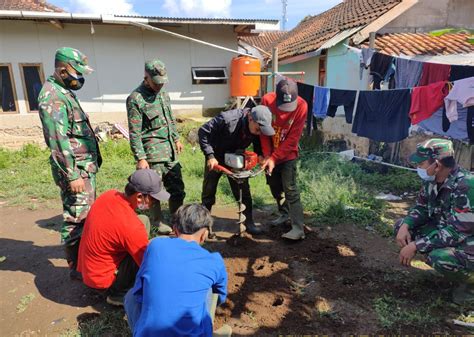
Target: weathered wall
429 15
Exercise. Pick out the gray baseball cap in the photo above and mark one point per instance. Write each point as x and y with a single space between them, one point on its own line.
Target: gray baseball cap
287 95
147 181
263 117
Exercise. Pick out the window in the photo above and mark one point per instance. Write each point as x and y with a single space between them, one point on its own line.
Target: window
209 75
322 71
32 77
7 89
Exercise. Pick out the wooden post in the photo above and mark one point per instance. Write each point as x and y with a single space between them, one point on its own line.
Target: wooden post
274 66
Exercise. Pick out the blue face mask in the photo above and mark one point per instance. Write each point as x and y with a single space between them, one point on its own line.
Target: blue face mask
424 174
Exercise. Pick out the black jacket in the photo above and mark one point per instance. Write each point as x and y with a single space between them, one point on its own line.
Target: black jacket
227 133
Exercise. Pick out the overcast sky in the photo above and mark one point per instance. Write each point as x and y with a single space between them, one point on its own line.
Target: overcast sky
240 9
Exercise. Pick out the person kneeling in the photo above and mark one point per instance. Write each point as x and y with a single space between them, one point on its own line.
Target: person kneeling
173 291
115 237
441 225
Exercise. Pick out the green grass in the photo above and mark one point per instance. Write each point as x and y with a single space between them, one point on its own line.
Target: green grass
107 323
332 191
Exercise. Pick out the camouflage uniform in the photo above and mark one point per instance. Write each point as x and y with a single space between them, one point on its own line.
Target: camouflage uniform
74 149
153 135
442 221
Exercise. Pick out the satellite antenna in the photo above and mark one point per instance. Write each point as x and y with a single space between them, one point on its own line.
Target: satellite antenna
284 4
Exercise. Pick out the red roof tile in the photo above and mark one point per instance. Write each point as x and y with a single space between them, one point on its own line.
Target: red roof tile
265 40
28 5
423 44
313 31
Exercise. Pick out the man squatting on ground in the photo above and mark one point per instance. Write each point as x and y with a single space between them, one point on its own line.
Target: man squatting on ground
281 151
179 282
230 132
75 156
115 237
154 138
441 224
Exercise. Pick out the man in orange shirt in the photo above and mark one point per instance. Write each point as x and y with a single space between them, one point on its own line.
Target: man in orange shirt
115 237
281 151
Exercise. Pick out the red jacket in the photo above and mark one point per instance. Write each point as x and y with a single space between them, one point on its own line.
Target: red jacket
283 146
111 231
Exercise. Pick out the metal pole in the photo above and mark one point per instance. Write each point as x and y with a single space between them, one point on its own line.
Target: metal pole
155 29
274 66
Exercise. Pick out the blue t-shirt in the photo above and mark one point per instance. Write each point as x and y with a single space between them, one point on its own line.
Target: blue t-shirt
173 285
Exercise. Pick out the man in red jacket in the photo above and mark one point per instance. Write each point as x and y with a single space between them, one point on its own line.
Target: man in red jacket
281 151
115 237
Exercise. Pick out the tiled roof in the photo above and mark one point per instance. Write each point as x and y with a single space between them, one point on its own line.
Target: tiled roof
264 40
313 31
28 5
423 44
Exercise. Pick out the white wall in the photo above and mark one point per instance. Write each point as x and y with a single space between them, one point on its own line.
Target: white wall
118 53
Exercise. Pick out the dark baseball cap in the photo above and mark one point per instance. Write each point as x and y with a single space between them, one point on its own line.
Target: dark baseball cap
147 181
287 94
263 117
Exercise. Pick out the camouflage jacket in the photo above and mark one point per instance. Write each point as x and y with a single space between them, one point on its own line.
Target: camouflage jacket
450 208
152 125
67 131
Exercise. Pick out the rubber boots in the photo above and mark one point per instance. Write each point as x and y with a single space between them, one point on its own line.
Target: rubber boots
280 220
253 229
296 233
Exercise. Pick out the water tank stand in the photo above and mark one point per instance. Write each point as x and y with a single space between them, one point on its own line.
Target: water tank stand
240 102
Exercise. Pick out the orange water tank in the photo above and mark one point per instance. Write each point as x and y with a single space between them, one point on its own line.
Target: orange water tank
241 85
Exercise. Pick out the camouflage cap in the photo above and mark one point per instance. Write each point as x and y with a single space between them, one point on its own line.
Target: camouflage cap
157 70
74 58
435 148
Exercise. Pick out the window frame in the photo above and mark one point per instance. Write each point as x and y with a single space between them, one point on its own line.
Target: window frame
12 81
197 79
25 91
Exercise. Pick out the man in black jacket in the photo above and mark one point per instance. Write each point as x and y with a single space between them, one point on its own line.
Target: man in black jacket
230 132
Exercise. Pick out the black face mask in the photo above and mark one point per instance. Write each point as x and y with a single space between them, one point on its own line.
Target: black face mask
73 82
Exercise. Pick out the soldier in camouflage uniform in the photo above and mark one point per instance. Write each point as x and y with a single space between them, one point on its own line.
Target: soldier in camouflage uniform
75 156
441 224
154 138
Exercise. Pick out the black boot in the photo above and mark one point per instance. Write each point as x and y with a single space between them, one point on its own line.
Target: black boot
253 229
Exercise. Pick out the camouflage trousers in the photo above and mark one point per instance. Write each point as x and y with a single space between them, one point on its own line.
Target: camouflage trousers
455 263
75 206
170 173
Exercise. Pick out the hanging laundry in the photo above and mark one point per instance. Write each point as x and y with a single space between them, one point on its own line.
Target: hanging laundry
457 130
379 66
383 115
434 72
470 124
462 92
305 91
446 123
365 59
426 100
460 72
321 98
407 73
342 97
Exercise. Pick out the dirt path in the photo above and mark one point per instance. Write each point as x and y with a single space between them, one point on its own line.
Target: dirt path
325 284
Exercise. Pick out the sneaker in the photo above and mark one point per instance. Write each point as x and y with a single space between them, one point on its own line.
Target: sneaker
163 229
295 234
253 229
115 300
282 219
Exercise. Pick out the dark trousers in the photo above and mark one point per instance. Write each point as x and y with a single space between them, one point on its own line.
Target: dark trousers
127 270
174 185
283 186
209 188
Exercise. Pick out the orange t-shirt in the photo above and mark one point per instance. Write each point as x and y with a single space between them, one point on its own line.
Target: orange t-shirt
111 231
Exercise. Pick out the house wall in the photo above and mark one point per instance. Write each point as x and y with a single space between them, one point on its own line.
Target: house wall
429 15
117 53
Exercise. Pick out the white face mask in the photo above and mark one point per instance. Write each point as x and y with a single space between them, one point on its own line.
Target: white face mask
424 174
143 206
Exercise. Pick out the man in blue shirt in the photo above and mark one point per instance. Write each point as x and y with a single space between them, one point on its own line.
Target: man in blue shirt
173 289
